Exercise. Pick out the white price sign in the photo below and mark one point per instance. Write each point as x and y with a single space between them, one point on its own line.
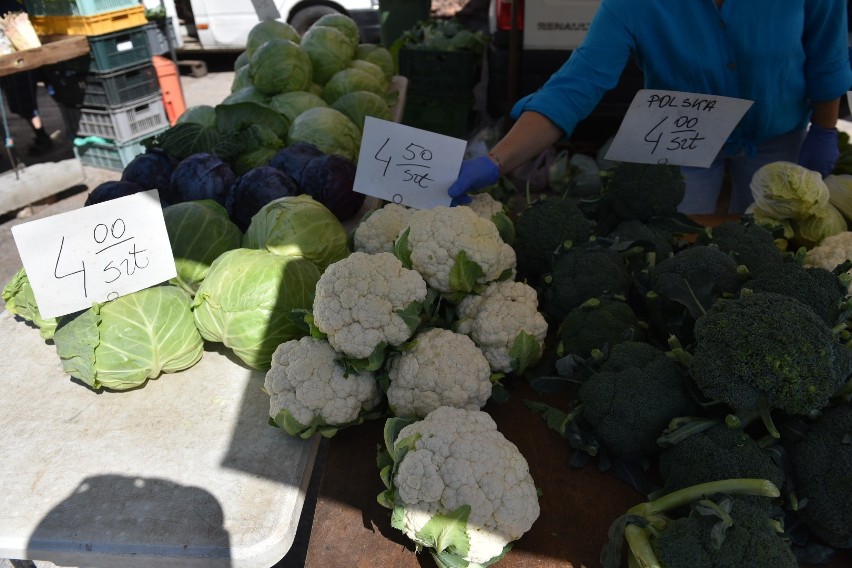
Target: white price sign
407 165
672 127
95 253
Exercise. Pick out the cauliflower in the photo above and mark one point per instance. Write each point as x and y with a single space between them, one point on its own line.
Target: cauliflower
442 368
484 205
454 249
377 231
358 302
309 391
831 252
459 486
505 324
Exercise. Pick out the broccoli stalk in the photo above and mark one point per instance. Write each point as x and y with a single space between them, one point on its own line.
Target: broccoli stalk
643 521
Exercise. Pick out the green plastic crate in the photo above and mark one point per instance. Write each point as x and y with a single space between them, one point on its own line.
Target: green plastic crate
108 154
441 114
118 50
450 73
76 7
119 88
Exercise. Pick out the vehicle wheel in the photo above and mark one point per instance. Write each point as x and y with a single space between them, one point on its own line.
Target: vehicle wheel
304 18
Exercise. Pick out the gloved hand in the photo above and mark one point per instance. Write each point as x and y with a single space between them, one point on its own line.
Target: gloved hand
474 174
819 150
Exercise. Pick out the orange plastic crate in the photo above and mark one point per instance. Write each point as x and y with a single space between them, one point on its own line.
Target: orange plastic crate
168 76
98 24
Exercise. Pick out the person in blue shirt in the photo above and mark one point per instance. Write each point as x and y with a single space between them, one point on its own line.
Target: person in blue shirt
790 57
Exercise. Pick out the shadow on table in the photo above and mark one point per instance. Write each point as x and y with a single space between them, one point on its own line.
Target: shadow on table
106 515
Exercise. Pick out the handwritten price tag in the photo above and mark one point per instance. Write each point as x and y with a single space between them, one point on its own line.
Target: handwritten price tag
671 127
407 165
96 253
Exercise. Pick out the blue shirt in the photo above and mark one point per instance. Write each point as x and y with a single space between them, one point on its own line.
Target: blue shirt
781 54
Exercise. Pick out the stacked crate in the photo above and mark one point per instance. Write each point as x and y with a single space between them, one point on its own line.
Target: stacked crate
111 100
439 96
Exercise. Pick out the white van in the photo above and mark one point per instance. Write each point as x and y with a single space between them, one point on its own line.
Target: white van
224 25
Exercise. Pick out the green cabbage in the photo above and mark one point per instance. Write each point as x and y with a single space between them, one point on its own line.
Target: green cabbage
344 24
242 60
785 190
821 223
246 94
120 344
267 30
280 66
295 103
378 55
199 231
242 79
329 130
246 300
205 115
20 301
349 80
358 105
370 68
298 226
329 51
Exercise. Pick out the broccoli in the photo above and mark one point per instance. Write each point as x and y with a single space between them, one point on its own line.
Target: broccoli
820 289
598 323
644 239
583 272
822 470
641 192
714 453
630 400
730 523
542 228
764 351
749 244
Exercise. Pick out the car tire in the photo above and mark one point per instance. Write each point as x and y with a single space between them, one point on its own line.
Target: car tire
304 18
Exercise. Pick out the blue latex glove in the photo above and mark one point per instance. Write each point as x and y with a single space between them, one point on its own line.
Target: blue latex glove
474 174
819 150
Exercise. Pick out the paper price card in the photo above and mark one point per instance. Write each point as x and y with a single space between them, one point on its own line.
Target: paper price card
671 127
95 253
407 165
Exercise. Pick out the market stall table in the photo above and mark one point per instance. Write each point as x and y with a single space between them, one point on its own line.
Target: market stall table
184 471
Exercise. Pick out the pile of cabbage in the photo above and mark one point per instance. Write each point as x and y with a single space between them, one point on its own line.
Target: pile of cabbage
232 288
315 88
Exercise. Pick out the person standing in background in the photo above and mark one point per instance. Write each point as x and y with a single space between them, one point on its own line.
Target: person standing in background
790 57
21 93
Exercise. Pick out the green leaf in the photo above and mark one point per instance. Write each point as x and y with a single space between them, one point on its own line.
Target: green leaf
386 473
411 315
392 428
447 531
234 117
505 227
525 351
285 420
398 517
402 250
464 274
182 140
386 499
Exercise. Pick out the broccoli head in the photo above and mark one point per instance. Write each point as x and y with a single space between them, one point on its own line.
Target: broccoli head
542 228
644 239
632 397
641 192
767 351
597 323
822 470
697 273
713 454
749 244
583 272
749 538
819 288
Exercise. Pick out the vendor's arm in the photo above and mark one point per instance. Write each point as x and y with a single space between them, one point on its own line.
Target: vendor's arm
825 113
532 134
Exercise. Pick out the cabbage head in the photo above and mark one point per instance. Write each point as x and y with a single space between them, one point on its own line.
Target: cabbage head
205 115
329 50
280 66
242 79
329 130
352 79
246 300
199 231
267 30
248 94
785 190
344 23
370 68
358 105
378 55
298 226
120 344
20 301
294 103
821 223
242 60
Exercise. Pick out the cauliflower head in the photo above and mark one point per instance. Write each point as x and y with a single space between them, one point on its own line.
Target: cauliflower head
358 300
436 238
831 252
505 324
484 205
309 390
377 231
442 368
458 458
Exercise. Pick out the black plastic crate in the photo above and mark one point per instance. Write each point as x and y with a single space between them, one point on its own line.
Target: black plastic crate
120 87
449 115
450 73
119 50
